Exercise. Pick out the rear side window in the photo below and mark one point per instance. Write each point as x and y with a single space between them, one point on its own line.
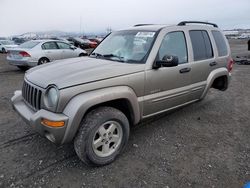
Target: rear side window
220 43
201 44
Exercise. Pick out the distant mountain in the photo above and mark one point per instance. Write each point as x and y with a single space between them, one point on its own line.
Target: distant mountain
54 33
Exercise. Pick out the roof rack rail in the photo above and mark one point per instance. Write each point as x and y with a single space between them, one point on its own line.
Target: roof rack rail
137 25
196 22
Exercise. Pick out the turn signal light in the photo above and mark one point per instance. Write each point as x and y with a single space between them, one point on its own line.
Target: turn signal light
52 123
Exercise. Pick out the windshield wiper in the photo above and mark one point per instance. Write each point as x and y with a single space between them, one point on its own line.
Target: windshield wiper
113 55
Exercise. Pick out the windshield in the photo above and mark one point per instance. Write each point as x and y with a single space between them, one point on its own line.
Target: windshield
29 44
7 42
125 46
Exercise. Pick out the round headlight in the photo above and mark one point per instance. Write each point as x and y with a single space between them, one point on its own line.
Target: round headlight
52 97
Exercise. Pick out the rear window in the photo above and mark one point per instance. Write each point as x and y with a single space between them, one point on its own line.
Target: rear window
29 44
201 44
220 43
7 42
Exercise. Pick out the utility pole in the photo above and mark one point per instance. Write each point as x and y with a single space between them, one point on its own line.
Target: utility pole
80 25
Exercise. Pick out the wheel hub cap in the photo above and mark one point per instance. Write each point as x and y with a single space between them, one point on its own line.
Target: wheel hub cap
107 139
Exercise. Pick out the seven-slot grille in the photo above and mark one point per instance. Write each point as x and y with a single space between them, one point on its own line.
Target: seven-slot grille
32 95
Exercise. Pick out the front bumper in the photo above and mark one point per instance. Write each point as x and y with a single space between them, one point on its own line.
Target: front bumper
34 118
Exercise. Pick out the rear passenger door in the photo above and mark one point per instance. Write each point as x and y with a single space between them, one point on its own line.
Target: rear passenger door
51 51
203 61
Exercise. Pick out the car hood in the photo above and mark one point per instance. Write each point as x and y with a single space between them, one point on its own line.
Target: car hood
75 71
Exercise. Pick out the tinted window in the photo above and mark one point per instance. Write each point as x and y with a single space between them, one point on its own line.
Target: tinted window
220 43
201 44
63 45
174 44
49 46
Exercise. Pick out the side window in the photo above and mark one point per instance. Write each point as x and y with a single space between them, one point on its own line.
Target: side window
49 46
201 45
63 45
174 43
220 43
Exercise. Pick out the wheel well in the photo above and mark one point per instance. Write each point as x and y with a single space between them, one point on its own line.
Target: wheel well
220 83
43 58
121 104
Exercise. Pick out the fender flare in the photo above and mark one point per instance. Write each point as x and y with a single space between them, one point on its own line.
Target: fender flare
79 105
212 76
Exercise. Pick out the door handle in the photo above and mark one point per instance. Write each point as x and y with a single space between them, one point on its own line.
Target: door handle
184 70
212 63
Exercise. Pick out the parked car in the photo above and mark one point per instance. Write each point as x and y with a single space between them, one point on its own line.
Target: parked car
19 41
82 43
6 45
92 44
95 100
97 40
37 52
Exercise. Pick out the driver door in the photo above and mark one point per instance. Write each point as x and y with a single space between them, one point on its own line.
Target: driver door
51 51
168 87
67 52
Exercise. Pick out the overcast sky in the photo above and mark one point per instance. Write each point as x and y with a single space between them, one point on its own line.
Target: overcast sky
20 16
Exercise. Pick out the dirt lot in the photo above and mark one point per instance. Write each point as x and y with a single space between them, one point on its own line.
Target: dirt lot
205 144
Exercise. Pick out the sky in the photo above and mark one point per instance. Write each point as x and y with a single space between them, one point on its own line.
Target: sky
21 16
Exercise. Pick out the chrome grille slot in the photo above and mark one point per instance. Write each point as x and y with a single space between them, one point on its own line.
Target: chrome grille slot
32 95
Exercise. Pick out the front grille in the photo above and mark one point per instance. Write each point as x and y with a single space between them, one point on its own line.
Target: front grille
32 95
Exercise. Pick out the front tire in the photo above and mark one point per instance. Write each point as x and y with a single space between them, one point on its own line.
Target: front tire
103 135
4 50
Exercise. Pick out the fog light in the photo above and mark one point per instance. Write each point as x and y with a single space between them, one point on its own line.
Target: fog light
52 123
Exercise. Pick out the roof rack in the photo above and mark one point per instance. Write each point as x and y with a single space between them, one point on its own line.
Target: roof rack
137 25
196 22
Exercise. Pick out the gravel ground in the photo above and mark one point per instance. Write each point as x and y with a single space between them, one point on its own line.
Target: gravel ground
205 144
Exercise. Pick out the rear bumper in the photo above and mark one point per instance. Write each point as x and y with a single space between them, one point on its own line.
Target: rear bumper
34 118
22 62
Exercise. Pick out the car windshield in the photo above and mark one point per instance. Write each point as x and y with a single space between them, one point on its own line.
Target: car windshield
7 42
29 44
126 46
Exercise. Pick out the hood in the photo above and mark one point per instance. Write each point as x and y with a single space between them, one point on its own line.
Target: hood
75 71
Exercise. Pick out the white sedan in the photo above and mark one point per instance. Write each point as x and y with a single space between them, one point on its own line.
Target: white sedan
6 45
37 52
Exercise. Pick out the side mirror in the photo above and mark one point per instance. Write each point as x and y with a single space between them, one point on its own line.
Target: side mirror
72 47
167 61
